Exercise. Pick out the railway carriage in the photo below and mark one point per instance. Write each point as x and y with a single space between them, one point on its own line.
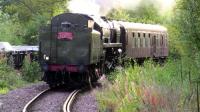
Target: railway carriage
145 40
84 47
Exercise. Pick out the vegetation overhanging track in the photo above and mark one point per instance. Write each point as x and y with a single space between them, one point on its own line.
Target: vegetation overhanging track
68 102
25 109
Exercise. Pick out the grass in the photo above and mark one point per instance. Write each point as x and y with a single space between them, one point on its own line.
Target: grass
31 71
148 88
4 90
11 79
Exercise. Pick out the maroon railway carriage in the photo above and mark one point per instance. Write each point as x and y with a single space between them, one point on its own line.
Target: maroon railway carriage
146 40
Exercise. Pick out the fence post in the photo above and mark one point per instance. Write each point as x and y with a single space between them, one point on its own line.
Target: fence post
190 80
198 97
181 71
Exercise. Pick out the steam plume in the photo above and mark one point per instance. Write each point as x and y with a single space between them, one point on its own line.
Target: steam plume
103 7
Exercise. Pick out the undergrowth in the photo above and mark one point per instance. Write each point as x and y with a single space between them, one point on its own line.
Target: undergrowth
9 78
31 71
150 88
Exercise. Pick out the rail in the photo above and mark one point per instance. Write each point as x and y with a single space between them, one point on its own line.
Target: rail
68 102
32 100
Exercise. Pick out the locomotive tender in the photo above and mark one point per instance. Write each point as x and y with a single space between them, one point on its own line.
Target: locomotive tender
83 46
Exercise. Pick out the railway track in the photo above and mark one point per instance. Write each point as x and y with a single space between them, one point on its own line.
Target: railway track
68 102
27 106
66 106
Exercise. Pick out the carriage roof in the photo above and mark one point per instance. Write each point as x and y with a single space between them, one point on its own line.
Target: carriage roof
143 27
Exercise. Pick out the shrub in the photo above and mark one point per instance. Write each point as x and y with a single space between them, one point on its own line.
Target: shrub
148 88
31 71
9 79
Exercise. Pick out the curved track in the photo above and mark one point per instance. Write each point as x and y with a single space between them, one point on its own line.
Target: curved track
26 107
68 102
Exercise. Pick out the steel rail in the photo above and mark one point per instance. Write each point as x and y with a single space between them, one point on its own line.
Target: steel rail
32 100
68 102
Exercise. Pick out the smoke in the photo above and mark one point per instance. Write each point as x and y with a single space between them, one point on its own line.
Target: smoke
100 7
166 5
84 6
103 7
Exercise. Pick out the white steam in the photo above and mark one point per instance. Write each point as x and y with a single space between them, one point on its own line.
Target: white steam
84 6
103 7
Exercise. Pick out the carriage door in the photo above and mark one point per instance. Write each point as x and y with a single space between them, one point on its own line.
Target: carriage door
154 46
123 38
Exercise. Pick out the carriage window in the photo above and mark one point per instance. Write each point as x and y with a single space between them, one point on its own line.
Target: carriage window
133 34
65 25
133 43
136 42
158 42
154 40
144 34
138 34
161 42
149 39
149 35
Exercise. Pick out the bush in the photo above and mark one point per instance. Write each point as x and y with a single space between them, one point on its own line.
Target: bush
148 88
31 71
9 78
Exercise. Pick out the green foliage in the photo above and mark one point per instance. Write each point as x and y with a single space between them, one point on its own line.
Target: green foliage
31 71
4 90
20 22
188 20
27 9
31 29
9 78
148 88
29 16
166 88
10 30
146 12
119 14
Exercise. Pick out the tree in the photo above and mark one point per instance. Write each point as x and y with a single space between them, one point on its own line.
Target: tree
188 19
32 14
146 12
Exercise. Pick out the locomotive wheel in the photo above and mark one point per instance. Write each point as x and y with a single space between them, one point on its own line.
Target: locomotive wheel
49 77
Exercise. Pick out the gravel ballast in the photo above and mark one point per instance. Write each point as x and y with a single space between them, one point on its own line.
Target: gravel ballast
15 100
52 101
85 102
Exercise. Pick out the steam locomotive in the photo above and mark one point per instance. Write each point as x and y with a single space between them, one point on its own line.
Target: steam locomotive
78 47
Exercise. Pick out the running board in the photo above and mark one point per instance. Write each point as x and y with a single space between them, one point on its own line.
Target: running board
111 45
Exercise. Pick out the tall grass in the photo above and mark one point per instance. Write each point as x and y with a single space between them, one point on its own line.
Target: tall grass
12 79
9 78
148 88
31 71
